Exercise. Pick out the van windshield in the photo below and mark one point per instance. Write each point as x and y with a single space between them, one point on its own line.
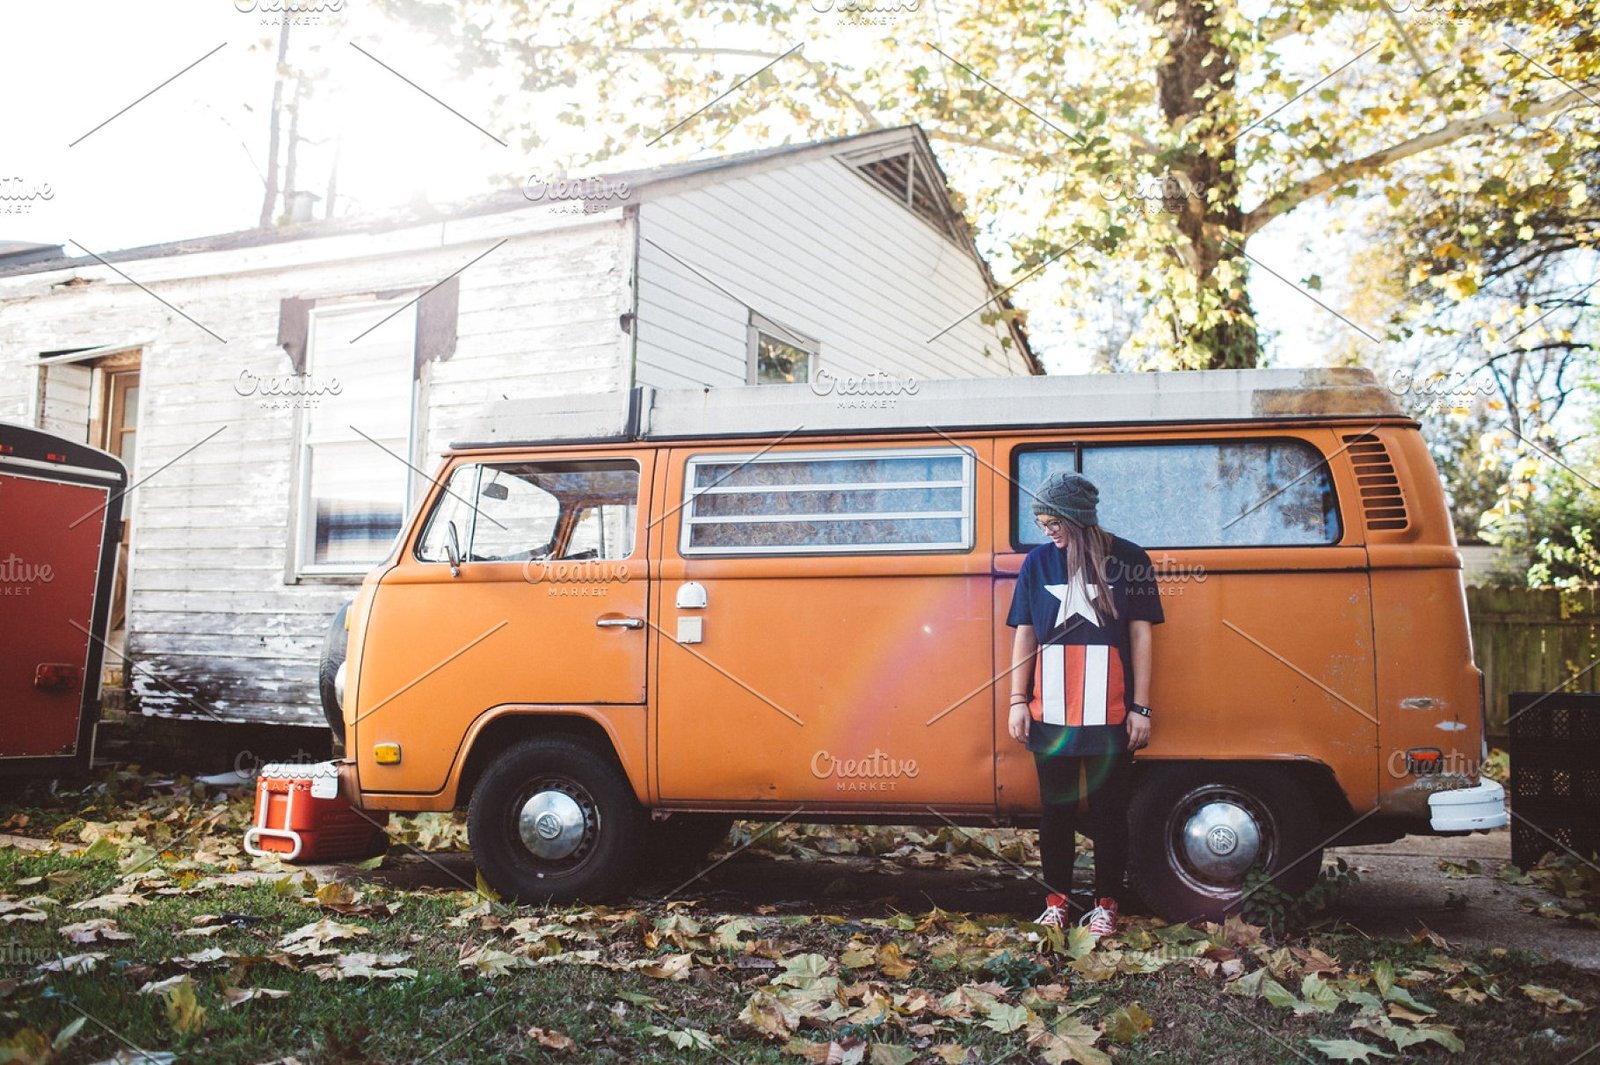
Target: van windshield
516 512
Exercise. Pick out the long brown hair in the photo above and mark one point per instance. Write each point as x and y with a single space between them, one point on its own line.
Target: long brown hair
1091 543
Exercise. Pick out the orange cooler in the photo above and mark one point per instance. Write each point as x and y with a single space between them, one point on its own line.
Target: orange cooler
301 816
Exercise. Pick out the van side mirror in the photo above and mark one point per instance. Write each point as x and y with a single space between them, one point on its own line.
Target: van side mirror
452 547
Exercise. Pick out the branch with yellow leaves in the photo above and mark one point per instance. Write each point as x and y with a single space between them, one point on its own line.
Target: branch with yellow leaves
1448 133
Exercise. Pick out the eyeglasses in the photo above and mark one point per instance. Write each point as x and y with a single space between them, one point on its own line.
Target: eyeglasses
1050 526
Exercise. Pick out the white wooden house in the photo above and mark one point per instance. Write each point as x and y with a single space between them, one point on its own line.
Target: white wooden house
282 395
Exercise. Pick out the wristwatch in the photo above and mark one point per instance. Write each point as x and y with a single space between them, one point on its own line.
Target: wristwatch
1140 709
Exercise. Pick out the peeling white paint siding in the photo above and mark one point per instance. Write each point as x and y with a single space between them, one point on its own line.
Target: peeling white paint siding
820 250
213 625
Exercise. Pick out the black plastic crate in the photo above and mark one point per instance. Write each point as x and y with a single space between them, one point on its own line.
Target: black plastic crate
1555 774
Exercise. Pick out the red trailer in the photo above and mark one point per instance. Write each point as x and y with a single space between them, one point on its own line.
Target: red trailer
60 524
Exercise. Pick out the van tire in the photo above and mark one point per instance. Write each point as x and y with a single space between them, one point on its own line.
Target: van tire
333 650
575 803
1268 799
683 840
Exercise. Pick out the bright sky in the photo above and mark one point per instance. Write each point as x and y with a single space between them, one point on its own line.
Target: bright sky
186 160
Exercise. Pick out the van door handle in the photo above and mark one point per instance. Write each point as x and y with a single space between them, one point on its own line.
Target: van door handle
620 623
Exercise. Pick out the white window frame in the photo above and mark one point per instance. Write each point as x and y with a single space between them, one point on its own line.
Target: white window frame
301 515
759 324
966 514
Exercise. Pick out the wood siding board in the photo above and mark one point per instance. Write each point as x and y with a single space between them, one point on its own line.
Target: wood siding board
209 606
832 287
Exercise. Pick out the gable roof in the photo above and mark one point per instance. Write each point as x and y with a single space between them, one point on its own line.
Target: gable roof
899 160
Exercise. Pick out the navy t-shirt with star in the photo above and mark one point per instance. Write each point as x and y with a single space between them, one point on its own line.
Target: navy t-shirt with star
1082 683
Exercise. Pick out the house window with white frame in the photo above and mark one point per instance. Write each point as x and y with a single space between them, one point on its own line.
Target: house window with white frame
357 428
779 355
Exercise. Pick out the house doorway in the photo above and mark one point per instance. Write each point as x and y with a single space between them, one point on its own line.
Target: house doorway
92 395
119 429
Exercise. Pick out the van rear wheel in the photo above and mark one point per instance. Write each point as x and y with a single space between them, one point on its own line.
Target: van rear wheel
555 820
1195 831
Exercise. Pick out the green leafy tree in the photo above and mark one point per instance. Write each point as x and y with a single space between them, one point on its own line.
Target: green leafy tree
1130 148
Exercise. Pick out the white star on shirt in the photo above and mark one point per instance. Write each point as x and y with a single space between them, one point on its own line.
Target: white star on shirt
1074 601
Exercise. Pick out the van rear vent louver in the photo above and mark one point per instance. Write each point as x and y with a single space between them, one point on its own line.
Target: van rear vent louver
1381 501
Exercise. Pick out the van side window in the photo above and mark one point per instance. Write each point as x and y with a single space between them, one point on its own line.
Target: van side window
1223 493
902 499
514 512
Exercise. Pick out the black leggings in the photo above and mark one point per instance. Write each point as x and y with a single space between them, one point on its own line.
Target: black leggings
1108 777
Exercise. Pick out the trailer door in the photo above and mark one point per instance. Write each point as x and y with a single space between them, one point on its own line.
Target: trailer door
51 537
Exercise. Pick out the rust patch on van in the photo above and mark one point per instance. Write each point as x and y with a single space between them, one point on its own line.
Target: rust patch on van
1411 798
1422 702
1334 390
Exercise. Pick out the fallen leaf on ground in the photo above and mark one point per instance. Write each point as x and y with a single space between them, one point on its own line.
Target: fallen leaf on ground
116 900
11 910
1127 1024
1347 1050
488 962
1552 999
72 963
363 965
161 987
683 1038
770 1015
315 937
94 928
184 1011
674 967
549 1037
238 996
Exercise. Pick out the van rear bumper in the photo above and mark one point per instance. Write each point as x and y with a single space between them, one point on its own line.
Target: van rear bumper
1469 809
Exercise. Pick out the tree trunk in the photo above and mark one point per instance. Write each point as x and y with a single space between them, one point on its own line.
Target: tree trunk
1202 184
270 199
291 152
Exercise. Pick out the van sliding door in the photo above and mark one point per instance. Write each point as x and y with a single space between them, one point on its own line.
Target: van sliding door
825 627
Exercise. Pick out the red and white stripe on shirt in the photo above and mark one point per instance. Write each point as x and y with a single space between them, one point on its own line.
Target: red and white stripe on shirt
1077 685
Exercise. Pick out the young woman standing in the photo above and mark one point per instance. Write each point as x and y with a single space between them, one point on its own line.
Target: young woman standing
1083 609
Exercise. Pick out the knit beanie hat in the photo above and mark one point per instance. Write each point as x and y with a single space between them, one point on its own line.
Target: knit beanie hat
1070 495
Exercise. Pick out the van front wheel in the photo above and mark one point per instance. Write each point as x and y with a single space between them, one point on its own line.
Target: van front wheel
1196 830
554 820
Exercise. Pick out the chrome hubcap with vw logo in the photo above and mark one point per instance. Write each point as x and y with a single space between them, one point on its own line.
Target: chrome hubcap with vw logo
1215 833
554 823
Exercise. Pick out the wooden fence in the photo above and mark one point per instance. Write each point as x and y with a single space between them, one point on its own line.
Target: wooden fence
1523 642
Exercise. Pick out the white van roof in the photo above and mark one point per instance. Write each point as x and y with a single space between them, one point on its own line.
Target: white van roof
881 403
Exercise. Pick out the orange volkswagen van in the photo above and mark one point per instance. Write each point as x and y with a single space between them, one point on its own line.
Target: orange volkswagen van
609 630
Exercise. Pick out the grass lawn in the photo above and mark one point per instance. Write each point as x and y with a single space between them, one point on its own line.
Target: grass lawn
137 930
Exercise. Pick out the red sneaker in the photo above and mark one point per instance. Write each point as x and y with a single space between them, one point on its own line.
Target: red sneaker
1102 920
1055 911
